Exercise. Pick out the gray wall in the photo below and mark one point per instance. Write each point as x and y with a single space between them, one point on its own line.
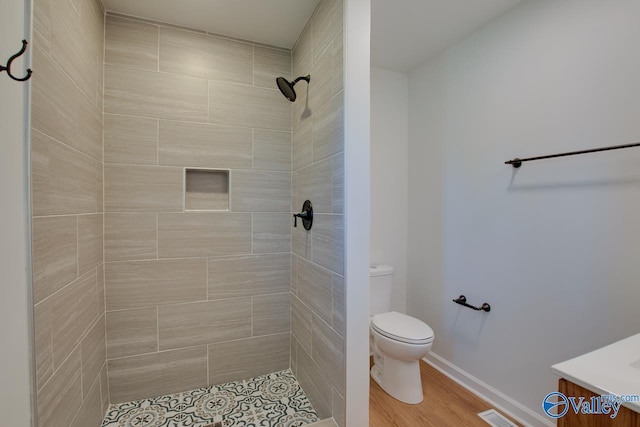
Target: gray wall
552 246
318 175
194 298
66 183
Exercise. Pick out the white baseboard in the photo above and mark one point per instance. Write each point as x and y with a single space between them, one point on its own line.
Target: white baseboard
497 399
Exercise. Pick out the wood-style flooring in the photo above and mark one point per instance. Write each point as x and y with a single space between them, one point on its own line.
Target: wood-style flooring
445 404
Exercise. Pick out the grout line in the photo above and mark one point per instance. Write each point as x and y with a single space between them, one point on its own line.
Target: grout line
205 168
108 383
74 7
50 350
333 408
104 229
331 158
102 409
158 33
73 80
223 212
84 335
157 142
80 408
157 236
77 247
191 302
273 294
309 239
205 123
189 76
313 160
157 329
82 374
184 189
333 309
197 346
144 165
104 51
252 317
67 215
104 294
221 257
119 310
69 146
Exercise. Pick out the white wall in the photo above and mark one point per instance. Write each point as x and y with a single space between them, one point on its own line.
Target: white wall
15 335
389 176
554 246
357 17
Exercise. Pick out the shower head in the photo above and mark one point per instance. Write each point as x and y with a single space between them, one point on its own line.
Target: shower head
286 87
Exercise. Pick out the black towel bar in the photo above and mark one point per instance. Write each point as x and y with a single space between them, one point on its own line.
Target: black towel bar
462 300
516 163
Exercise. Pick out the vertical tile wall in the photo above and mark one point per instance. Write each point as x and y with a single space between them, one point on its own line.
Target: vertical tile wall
67 209
317 283
194 298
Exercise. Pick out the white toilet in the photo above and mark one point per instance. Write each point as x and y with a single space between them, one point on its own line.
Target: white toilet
398 341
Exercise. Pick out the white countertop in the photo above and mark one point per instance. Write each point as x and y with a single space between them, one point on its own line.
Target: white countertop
614 369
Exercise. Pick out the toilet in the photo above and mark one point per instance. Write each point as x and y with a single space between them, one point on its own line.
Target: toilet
398 341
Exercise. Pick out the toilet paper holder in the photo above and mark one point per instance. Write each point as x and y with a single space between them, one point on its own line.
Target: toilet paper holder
462 300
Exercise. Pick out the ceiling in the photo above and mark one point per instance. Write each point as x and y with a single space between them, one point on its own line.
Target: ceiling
272 22
406 33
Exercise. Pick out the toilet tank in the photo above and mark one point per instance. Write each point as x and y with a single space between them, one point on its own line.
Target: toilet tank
381 282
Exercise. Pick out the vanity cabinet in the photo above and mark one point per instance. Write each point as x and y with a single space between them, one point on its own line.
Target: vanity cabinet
625 418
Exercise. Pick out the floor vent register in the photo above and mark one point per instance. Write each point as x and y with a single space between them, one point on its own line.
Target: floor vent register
495 419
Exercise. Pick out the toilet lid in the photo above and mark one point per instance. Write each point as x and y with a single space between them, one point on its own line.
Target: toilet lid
401 327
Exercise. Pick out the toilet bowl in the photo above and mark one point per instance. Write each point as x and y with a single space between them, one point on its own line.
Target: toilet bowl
399 342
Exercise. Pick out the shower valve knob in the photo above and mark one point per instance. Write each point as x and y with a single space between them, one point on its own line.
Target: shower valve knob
306 216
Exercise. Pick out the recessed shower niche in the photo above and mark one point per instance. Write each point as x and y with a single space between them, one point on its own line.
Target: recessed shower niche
206 190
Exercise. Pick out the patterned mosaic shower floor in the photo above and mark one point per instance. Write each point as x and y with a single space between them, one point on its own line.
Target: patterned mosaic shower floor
273 400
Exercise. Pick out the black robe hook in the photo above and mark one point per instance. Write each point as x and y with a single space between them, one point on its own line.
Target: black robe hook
13 58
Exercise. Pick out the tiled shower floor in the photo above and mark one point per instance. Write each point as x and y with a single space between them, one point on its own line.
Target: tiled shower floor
273 400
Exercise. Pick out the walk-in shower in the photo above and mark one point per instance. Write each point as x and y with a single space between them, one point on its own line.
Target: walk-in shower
171 287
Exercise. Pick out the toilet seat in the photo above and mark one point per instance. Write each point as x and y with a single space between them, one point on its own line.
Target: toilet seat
402 328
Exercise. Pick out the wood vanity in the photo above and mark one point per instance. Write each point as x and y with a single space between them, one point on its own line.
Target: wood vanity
625 418
611 370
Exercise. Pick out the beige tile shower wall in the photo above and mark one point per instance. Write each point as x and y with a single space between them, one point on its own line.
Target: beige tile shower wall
193 298
317 283
68 214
